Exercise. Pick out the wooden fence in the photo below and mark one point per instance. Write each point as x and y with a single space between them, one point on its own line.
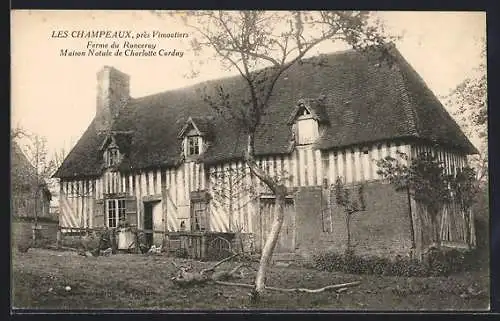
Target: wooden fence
456 227
198 245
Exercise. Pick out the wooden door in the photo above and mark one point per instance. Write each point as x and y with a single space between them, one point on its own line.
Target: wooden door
148 223
157 223
286 238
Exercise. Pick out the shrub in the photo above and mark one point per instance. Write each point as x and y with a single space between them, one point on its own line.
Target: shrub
328 261
482 217
437 262
379 265
482 233
443 262
416 268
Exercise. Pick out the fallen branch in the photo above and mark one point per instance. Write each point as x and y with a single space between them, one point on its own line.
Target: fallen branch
53 247
329 287
239 266
244 285
186 278
219 263
227 275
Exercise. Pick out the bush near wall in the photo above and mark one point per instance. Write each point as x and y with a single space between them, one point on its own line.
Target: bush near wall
437 262
481 211
95 240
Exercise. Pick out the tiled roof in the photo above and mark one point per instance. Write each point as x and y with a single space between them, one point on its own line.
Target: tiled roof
362 101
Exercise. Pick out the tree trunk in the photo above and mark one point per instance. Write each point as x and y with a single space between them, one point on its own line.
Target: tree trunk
270 244
34 236
231 198
280 191
435 228
410 216
467 223
348 228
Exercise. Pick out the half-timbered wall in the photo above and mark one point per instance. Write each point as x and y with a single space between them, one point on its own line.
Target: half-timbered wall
232 205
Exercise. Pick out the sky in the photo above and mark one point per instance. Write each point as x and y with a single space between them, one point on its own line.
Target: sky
55 96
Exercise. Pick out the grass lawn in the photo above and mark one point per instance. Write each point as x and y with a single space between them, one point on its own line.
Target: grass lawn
122 281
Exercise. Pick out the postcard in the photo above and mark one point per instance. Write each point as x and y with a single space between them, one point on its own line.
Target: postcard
249 161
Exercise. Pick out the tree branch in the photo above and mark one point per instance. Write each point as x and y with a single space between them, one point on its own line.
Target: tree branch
304 290
219 263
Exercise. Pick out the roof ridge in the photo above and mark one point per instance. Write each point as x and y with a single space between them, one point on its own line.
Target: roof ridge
393 101
197 84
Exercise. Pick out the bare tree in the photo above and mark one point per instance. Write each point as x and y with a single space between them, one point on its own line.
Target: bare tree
35 148
470 98
261 46
19 175
57 158
17 133
231 191
351 206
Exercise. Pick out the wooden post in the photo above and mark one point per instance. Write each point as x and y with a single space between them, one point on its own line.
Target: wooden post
137 242
33 234
58 237
230 199
410 216
419 246
113 242
473 240
197 246
203 246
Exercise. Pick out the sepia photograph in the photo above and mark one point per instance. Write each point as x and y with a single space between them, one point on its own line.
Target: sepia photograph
211 160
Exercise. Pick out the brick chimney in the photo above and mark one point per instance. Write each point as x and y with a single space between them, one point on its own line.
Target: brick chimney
113 92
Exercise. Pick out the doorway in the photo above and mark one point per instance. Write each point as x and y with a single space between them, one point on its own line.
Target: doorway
153 223
148 223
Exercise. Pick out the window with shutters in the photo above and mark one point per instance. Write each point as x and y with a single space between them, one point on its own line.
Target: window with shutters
116 212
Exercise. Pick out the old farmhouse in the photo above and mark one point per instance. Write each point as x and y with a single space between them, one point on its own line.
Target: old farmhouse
168 162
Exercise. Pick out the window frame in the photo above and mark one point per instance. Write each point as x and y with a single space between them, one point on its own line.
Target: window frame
112 157
116 212
306 120
200 219
193 145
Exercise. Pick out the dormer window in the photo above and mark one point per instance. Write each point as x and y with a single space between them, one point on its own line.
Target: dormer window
112 157
193 145
306 118
195 135
306 128
115 147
